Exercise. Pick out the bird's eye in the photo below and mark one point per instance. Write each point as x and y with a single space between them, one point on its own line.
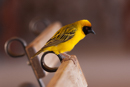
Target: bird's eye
87 28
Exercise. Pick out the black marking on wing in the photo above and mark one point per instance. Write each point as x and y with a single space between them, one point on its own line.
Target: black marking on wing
61 36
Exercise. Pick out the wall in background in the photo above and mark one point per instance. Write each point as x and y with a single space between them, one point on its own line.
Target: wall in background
104 57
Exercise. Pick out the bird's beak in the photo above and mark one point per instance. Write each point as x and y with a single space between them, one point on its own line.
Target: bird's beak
91 31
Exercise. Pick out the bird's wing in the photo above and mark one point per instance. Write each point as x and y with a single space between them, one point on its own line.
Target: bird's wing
61 36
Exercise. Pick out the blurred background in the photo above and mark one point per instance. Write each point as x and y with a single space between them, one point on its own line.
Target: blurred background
104 57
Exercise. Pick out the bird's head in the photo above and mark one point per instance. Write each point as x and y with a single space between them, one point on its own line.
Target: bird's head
86 27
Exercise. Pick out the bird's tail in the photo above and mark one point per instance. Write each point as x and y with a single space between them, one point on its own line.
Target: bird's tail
41 50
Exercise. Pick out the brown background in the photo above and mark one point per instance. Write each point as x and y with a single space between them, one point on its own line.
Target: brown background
104 57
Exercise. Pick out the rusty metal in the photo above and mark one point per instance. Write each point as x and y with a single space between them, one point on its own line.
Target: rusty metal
47 68
14 55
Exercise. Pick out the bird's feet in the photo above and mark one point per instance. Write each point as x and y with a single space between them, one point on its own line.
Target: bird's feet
67 57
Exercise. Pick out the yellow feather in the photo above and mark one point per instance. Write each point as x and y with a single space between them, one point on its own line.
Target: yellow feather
66 38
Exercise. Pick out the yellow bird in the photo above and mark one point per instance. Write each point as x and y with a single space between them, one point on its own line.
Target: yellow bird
67 37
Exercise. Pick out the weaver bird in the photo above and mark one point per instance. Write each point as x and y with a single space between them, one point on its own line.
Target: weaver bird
67 37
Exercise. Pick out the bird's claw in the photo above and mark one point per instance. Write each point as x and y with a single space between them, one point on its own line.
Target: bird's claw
72 57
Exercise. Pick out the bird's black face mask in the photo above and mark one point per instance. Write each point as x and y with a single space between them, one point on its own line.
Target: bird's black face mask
88 30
